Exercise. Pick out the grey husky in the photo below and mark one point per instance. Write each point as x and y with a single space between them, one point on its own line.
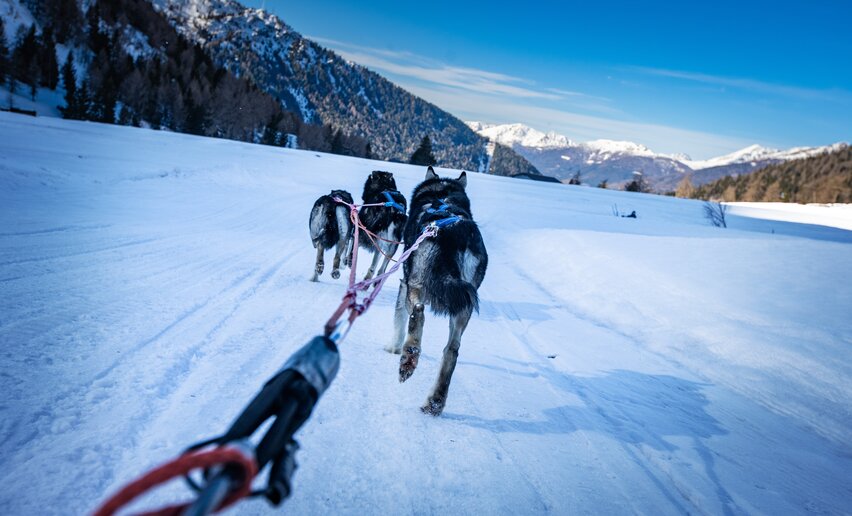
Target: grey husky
330 226
444 273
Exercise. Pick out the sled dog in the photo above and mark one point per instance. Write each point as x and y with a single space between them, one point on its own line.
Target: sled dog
387 222
330 226
444 273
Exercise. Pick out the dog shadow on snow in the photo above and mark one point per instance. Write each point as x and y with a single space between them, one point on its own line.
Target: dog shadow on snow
514 311
633 408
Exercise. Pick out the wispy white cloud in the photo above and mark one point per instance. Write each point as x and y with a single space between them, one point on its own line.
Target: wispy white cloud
475 94
581 127
750 85
407 64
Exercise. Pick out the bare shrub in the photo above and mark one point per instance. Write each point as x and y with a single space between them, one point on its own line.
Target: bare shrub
715 213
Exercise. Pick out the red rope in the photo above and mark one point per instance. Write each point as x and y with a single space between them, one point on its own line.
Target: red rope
179 467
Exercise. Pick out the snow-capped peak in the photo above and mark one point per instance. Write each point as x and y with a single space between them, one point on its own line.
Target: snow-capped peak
525 136
519 134
755 153
618 147
680 156
597 151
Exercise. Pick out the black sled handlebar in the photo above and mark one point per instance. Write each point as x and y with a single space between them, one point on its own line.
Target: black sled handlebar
289 397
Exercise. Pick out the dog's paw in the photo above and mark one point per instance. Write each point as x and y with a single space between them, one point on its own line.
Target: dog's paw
393 349
335 274
433 407
319 269
408 363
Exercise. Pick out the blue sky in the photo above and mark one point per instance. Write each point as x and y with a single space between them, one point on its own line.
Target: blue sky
699 78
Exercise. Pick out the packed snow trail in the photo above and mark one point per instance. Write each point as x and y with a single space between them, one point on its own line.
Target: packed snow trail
152 281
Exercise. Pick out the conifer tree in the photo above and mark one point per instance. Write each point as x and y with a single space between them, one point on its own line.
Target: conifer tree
104 101
337 143
25 61
97 40
4 54
47 62
83 102
67 19
124 116
638 184
423 155
575 179
195 118
270 134
69 81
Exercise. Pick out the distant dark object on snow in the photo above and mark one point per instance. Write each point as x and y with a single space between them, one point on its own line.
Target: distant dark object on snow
536 177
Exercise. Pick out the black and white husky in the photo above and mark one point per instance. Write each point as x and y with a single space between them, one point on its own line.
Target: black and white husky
385 221
330 226
444 273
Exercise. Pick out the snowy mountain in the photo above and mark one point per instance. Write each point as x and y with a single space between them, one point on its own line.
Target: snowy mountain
323 87
823 178
129 66
152 281
596 161
756 154
752 159
519 134
615 161
184 65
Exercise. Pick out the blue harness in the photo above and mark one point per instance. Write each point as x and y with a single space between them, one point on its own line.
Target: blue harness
391 203
446 221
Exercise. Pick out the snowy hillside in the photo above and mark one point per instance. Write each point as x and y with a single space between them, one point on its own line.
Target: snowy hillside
325 88
151 282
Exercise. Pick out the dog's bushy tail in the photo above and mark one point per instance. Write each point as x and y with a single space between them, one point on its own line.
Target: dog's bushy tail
451 296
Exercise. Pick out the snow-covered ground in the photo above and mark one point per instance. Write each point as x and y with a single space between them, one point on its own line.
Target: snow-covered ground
45 104
835 215
152 281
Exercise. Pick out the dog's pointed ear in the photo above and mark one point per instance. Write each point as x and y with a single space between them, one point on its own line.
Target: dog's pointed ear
430 173
463 179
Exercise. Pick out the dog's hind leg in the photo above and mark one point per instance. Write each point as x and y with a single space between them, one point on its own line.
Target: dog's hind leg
388 255
399 317
319 265
375 262
411 348
335 267
436 401
344 225
347 256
